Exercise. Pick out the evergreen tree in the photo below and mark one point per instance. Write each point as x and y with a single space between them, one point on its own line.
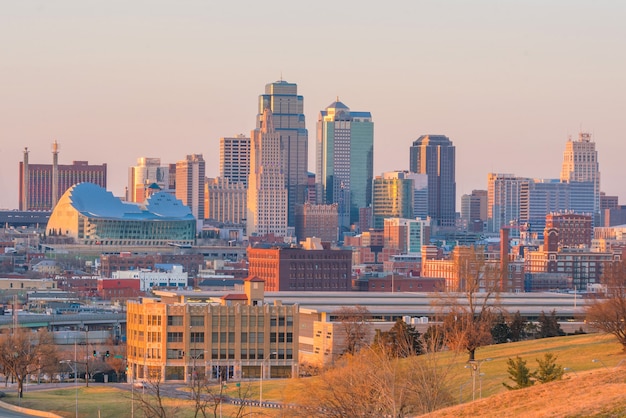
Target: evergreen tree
548 325
501 332
518 373
548 369
518 327
402 340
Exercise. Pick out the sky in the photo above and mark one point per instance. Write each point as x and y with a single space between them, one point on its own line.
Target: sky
508 82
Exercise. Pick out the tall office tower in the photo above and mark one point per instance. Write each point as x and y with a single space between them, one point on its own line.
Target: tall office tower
345 160
190 184
539 197
287 109
235 159
434 155
36 185
144 175
392 197
225 201
474 209
318 221
267 195
580 165
503 200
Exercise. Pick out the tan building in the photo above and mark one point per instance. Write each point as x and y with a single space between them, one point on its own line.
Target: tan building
225 201
30 284
183 335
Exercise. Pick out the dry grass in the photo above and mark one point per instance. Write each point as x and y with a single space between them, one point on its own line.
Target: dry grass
593 393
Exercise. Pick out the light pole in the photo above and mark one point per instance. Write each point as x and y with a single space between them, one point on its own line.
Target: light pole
74 369
474 366
273 353
597 360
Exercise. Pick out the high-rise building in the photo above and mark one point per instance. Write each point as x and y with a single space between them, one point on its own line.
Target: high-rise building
190 184
474 209
145 175
580 165
503 208
345 160
267 194
235 159
225 201
287 109
434 155
392 197
42 185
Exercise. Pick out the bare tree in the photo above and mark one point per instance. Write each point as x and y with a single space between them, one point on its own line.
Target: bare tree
608 312
24 352
353 323
468 315
151 400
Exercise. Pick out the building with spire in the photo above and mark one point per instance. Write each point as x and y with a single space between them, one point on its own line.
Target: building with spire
580 165
345 161
267 194
287 108
435 156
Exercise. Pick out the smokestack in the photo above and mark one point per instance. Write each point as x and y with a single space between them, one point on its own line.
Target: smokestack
25 180
55 174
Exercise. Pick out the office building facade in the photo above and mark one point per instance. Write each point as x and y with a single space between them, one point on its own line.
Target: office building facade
190 184
580 165
392 197
225 201
287 108
267 194
345 160
319 221
235 159
435 156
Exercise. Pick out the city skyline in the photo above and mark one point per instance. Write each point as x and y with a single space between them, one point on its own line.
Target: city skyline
508 82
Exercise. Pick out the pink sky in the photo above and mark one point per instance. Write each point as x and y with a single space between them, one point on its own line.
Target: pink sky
116 80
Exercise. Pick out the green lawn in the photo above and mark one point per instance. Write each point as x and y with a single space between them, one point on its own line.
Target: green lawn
574 352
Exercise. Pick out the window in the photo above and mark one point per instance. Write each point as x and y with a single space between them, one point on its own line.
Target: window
174 320
197 321
174 337
197 337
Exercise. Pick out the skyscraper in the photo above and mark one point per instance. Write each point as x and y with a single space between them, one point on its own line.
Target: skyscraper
503 207
345 160
190 184
267 195
580 165
235 159
393 197
287 109
148 171
434 155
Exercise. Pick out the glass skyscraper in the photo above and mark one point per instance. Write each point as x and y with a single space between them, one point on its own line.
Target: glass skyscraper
345 161
434 155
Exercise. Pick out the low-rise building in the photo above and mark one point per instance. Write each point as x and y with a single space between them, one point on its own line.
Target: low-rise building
183 335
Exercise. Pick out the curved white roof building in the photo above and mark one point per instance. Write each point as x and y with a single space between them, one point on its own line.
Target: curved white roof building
91 215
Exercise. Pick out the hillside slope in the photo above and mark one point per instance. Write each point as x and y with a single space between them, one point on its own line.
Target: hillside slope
594 393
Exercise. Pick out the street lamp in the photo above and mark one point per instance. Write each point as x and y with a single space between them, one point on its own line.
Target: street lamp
474 365
273 353
597 360
567 369
74 369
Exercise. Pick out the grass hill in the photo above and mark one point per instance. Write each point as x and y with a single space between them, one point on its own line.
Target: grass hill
588 388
